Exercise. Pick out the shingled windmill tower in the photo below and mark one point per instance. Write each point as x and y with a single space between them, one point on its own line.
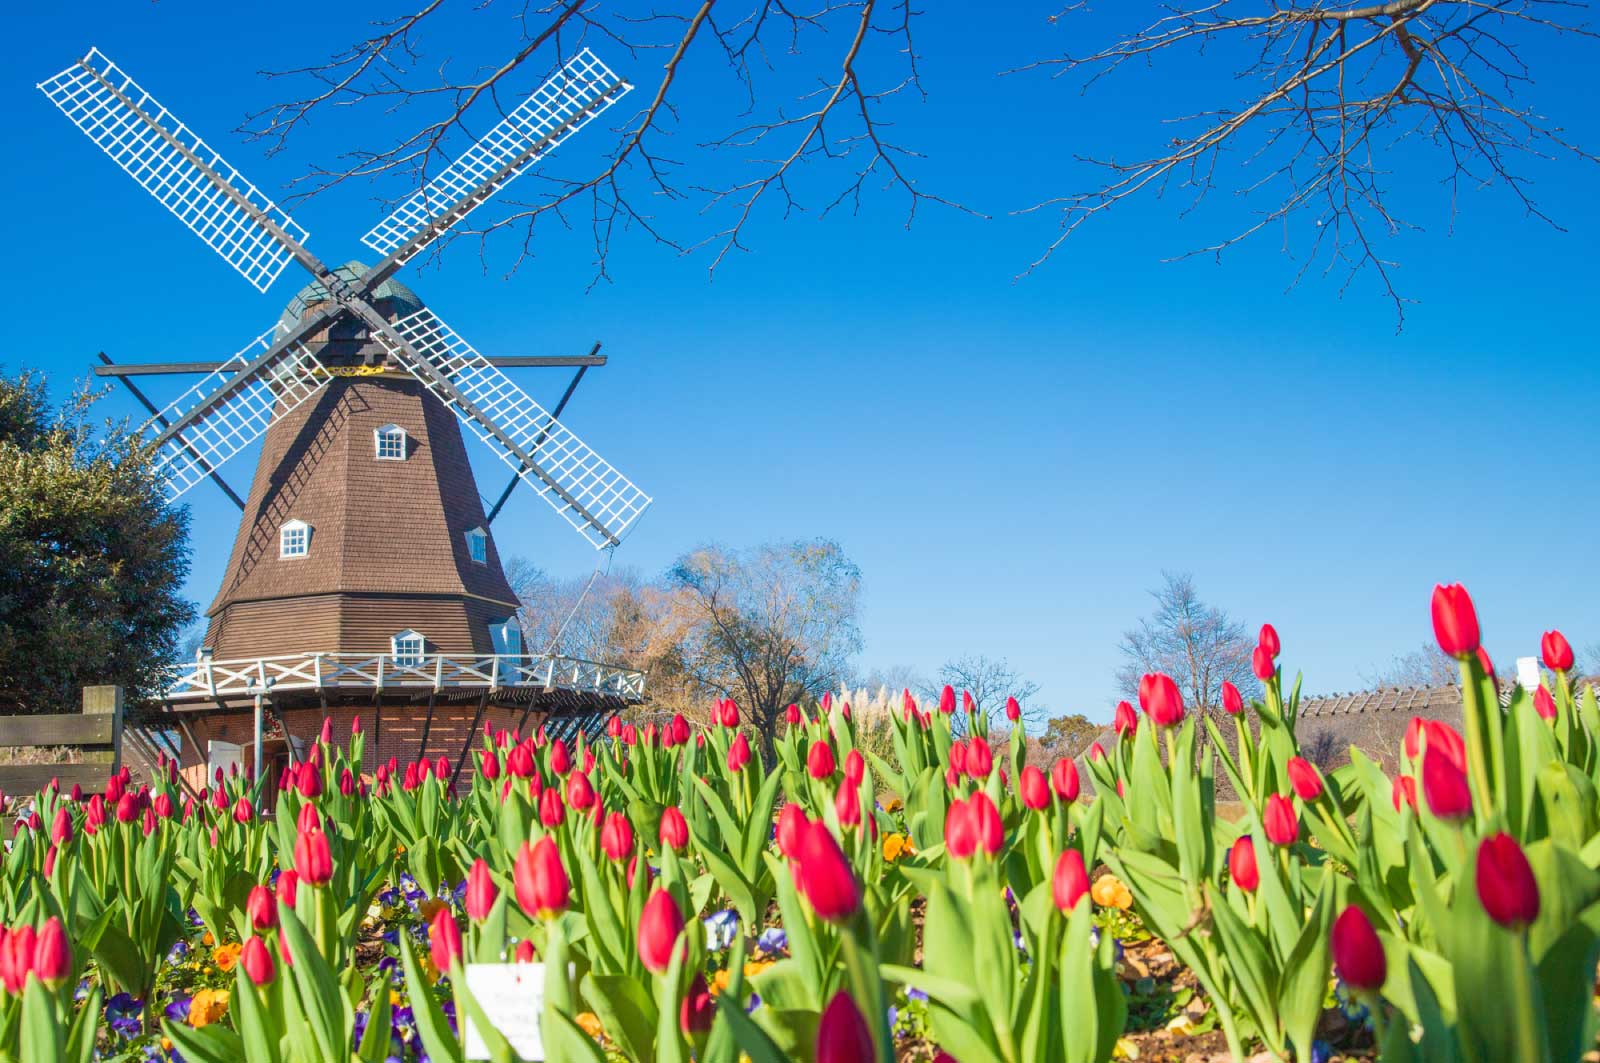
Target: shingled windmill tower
364 579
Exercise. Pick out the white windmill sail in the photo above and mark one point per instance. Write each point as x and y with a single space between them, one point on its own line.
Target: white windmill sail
223 428
578 483
581 89
179 169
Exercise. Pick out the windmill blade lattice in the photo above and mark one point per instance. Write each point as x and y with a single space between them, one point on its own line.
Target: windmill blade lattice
578 483
174 165
272 389
581 89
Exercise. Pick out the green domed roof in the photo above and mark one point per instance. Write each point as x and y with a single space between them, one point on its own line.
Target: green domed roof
406 301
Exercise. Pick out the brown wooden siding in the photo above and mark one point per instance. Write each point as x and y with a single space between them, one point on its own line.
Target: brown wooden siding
350 623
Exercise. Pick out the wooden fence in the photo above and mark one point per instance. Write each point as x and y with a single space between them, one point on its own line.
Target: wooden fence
97 731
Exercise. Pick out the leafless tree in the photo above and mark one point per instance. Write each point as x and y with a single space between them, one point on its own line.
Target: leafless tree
990 680
1322 749
1317 106
767 626
1199 645
1425 666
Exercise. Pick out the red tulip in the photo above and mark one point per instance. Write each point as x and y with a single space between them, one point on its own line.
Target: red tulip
1064 779
616 837
1125 722
1097 751
855 768
660 926
1035 791
842 1034
481 891
1485 663
21 947
792 714
540 880
1544 704
824 877
1268 640
1071 881
525 952
52 957
738 753
1281 823
698 1007
1444 786
308 819
792 824
730 713
986 820
958 757
674 830
1159 698
1455 621
1013 710
490 765
163 806
560 759
980 759
313 861
1305 779
127 810
580 791
257 962
347 783
262 908
1357 952
614 727
61 828
819 760
960 831
1447 740
308 780
1404 790
552 813
444 940
288 888
1413 740
519 760
1506 885
968 705
1262 664
1242 864
847 806
243 812
947 700
1231 699
1557 651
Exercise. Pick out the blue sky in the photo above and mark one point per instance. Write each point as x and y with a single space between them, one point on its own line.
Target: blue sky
1012 462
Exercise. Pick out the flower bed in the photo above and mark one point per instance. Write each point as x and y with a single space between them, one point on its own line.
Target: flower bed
686 899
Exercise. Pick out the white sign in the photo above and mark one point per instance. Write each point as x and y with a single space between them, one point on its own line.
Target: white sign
1528 675
512 998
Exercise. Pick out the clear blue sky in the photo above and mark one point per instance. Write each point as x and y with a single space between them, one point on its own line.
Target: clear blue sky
1011 462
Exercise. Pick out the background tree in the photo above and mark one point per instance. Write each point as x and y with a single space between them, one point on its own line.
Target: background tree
1199 645
1319 118
1425 666
1065 736
765 626
990 681
91 558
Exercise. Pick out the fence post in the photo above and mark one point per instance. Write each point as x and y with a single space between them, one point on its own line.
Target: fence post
98 701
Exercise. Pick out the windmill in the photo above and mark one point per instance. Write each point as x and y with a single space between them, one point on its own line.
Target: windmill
366 606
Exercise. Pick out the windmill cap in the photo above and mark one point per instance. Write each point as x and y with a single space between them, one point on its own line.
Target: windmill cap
405 300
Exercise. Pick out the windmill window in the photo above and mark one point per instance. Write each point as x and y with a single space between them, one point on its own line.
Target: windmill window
478 546
408 648
391 443
294 539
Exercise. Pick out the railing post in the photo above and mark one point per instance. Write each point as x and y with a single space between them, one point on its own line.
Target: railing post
494 673
438 671
98 701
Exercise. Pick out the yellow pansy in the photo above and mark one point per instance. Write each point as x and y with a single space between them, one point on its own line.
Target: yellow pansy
895 846
428 909
1109 892
227 956
589 1023
208 1006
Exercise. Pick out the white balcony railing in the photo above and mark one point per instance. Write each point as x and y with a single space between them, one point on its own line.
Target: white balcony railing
208 680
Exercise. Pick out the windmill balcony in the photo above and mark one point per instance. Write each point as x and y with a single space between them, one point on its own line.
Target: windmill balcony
377 673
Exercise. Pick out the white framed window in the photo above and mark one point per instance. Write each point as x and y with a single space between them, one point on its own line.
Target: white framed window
407 648
390 443
294 539
506 636
478 545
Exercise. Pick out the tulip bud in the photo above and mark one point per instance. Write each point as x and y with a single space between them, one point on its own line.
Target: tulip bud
257 962
61 828
791 714
1544 704
560 759
52 957
552 813
847 806
1159 698
960 831
1064 779
980 759
1232 702
1242 864
855 768
313 860
163 805
1125 722
819 760
519 761
792 824
1357 952
262 908
1444 786
148 823
1557 651
698 1008
947 700
1506 886
842 1033
1447 740
347 783
738 753
1262 664
674 829
1034 790
580 791
1268 640
444 940
1455 621
541 882
1305 779
308 819
1412 744
481 891
968 705
1013 710
1281 823
958 758
243 811
525 951
660 926
616 837
1097 751
1071 881
614 727
1404 790
288 888
824 877
127 809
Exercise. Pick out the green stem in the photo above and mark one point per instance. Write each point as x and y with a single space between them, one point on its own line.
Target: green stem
1472 710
